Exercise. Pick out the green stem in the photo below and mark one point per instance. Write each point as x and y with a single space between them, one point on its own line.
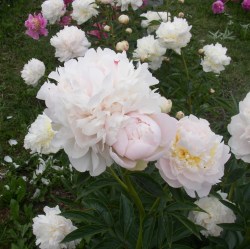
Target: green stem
140 208
118 179
231 192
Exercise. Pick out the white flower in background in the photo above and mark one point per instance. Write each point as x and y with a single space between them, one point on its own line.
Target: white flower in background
8 159
135 4
216 213
51 228
12 142
89 103
69 43
239 128
36 194
150 50
33 71
83 10
196 158
174 35
53 10
107 1
214 58
154 16
40 136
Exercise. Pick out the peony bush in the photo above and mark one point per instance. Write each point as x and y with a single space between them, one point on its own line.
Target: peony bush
123 131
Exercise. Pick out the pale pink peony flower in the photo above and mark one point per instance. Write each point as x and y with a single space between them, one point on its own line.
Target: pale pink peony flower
36 26
246 5
218 7
98 31
195 159
142 139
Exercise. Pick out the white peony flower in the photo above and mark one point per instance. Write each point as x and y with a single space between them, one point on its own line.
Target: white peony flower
107 1
174 35
70 42
89 103
83 10
149 49
216 213
40 136
33 71
196 158
214 58
239 128
51 228
154 16
135 4
53 10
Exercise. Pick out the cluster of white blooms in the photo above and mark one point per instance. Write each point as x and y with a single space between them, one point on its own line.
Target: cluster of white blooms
215 58
150 50
135 4
174 35
84 10
154 16
195 159
239 128
216 213
51 228
53 10
33 71
70 42
40 136
95 97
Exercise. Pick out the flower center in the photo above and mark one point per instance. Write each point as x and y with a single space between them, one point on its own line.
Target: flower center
36 24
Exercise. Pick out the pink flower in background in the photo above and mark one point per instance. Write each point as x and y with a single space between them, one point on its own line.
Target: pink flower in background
145 3
218 7
36 26
65 21
246 5
98 32
68 2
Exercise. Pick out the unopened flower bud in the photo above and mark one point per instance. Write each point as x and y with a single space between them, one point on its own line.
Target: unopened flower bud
179 115
166 59
201 51
124 19
106 28
181 15
212 90
122 46
166 105
181 1
129 30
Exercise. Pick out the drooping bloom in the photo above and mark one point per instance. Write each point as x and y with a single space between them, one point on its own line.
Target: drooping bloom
216 213
215 58
174 35
33 71
40 136
196 157
154 16
218 7
143 138
135 4
53 10
51 228
150 50
69 43
36 26
91 103
239 128
246 5
84 10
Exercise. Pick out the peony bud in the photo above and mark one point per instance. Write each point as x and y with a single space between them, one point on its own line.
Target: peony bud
166 105
218 7
106 28
181 1
212 90
181 15
179 115
129 30
122 46
201 51
123 19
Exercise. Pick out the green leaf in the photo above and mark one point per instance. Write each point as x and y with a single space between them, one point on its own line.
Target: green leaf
85 231
80 216
14 209
126 214
233 207
181 206
235 174
178 246
161 231
169 229
148 231
188 224
231 226
148 184
109 244
180 233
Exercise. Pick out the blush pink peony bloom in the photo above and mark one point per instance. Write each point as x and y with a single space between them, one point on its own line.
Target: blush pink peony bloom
218 7
246 5
36 26
98 32
142 139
